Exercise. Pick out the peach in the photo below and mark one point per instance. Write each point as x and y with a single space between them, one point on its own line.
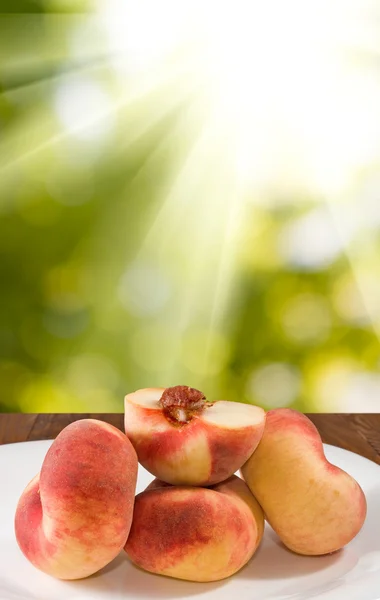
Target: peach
74 517
184 440
314 506
195 533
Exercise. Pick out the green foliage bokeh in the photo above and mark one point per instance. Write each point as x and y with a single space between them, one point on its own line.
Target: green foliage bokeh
94 305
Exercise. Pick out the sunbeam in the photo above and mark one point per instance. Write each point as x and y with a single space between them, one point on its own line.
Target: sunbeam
299 143
83 120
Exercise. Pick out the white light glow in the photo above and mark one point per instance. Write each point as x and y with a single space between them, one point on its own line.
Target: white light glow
363 392
84 108
287 105
311 242
285 78
144 33
144 290
274 385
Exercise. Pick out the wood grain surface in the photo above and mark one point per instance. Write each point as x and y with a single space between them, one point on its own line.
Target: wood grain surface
359 433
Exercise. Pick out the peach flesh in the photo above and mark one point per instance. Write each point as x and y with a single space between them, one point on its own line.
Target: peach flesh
74 517
195 533
198 443
315 507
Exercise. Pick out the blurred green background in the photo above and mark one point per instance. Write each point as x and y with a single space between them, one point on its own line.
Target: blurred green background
189 194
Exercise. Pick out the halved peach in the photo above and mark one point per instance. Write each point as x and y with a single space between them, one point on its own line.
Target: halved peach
184 440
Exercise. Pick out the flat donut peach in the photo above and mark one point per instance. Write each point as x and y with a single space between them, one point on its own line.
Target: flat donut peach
314 507
74 517
193 533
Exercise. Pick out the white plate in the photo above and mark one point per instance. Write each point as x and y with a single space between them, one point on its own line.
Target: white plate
273 573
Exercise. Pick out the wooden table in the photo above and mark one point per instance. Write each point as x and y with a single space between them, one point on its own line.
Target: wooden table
357 432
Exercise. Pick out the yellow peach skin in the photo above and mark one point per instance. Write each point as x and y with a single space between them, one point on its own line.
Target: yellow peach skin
314 506
197 443
195 533
74 517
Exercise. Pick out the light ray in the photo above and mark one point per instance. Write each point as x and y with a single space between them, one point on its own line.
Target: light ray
14 83
198 220
313 87
141 91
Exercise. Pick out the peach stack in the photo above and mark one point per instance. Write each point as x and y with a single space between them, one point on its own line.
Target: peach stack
180 529
197 520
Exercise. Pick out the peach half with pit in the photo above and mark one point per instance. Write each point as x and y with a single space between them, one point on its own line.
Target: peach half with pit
184 440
